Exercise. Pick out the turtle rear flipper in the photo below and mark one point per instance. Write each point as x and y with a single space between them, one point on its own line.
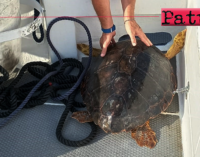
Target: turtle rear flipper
145 136
82 116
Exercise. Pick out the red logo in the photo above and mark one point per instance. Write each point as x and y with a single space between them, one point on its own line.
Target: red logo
180 17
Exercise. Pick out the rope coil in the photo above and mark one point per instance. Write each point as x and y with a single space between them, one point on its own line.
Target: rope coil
51 78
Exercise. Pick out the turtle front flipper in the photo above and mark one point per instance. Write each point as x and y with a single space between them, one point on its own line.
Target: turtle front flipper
177 45
145 136
82 116
85 50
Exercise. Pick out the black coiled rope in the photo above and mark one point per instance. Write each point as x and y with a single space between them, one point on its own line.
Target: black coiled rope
50 79
57 54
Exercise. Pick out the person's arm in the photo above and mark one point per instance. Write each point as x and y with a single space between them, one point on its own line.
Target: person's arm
128 7
102 8
132 28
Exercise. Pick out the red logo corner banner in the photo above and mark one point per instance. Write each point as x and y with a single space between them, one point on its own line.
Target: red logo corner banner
180 16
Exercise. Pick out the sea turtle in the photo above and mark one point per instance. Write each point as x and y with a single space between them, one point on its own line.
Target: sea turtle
128 87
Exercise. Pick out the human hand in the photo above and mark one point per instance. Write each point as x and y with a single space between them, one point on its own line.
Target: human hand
133 29
105 40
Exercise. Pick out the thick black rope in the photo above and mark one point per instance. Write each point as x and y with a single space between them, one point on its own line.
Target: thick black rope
41 38
69 107
50 79
57 54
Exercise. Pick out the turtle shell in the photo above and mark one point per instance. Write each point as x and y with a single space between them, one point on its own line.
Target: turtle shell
127 87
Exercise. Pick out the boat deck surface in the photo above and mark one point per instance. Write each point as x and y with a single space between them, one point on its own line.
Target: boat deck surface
32 134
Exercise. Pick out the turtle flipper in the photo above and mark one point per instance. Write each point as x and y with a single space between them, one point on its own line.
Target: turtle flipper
145 136
82 116
177 45
85 49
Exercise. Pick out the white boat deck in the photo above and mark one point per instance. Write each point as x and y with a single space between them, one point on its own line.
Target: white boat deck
32 134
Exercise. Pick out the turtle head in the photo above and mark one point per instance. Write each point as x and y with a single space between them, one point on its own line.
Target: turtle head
177 45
